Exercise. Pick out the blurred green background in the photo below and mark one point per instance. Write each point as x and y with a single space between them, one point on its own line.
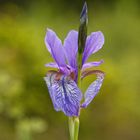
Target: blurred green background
26 111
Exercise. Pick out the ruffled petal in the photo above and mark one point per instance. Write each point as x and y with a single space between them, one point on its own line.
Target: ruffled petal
92 90
94 43
71 48
92 64
55 47
66 94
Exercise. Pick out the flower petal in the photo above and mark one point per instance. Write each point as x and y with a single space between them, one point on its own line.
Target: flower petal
65 70
55 47
50 82
66 94
93 89
52 65
71 48
94 43
92 64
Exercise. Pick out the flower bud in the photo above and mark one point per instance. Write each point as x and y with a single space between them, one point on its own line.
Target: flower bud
82 35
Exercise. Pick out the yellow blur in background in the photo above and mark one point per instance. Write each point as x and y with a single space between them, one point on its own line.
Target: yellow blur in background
26 111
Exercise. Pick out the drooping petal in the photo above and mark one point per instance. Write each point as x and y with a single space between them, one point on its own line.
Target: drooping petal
92 64
86 73
50 82
66 94
94 43
93 89
71 48
55 47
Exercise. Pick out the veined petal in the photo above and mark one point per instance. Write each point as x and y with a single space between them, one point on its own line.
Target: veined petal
94 43
50 82
66 94
55 47
93 89
71 48
92 64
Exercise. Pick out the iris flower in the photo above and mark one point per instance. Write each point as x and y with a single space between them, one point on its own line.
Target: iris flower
62 84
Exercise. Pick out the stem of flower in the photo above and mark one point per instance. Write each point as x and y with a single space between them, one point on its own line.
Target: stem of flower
82 35
76 128
71 128
79 70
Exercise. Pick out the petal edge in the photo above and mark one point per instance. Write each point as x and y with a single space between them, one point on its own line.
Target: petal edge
92 90
94 43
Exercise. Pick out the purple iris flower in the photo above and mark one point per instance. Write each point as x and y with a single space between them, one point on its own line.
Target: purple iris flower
65 55
62 84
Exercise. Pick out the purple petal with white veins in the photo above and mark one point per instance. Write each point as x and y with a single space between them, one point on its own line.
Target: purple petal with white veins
92 64
55 47
66 96
71 48
50 82
94 43
92 90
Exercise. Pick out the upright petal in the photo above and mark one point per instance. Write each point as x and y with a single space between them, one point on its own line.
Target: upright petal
71 48
55 47
94 43
92 64
66 96
93 89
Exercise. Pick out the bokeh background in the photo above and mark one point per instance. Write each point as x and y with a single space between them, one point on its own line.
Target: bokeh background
26 111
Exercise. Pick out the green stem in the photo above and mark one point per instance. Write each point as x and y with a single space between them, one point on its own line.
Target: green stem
71 128
76 128
79 70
